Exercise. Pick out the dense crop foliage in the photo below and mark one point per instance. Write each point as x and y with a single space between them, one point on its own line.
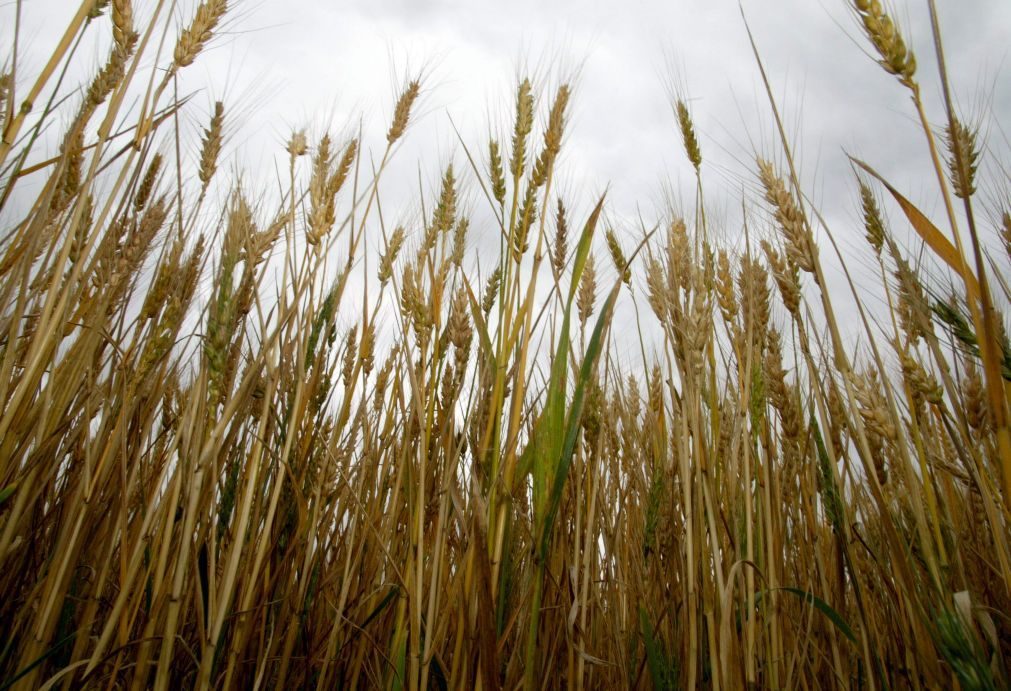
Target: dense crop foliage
285 444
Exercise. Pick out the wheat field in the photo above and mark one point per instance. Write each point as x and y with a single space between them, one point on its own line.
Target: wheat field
255 442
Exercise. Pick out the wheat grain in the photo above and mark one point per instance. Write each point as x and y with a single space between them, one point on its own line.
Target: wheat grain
963 157
787 277
524 123
211 145
193 39
389 256
552 137
618 257
498 185
525 219
873 223
402 112
887 40
491 290
587 294
688 138
445 211
799 245
725 296
656 287
1005 232
122 25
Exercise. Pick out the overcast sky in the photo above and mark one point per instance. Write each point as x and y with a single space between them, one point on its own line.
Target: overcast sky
281 66
295 62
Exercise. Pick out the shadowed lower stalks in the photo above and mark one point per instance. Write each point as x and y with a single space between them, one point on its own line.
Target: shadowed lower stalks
268 440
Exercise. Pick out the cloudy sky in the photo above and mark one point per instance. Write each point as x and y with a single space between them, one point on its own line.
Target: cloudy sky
280 66
291 63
